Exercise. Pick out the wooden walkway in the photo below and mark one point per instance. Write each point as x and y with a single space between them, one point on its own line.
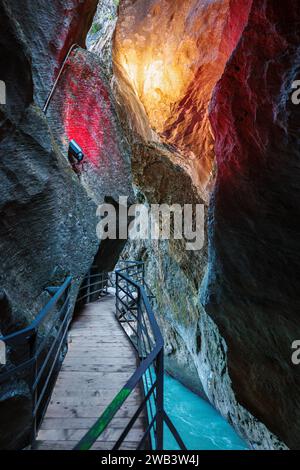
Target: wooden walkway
99 362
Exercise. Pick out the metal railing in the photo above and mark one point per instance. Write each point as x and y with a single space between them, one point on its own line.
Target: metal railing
94 285
46 105
135 314
34 354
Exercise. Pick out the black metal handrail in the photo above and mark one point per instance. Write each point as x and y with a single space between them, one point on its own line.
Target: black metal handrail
41 353
34 353
94 285
135 313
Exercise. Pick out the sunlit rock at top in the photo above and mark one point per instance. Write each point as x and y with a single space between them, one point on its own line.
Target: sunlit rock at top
172 54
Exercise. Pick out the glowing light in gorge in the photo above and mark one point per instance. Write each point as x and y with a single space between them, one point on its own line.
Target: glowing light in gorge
159 75
158 87
172 54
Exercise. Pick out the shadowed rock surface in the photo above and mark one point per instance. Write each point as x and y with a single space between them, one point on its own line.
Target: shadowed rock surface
47 30
252 285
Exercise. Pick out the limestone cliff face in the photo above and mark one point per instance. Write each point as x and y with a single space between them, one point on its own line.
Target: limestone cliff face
47 211
173 53
229 310
99 39
173 272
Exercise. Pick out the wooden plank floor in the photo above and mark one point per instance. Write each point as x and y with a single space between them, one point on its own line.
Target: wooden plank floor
99 362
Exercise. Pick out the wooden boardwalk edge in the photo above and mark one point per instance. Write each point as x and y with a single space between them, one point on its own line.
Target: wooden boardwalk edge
99 362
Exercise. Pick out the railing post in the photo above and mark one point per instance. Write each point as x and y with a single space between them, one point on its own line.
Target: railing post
34 388
141 353
117 295
106 283
88 287
160 401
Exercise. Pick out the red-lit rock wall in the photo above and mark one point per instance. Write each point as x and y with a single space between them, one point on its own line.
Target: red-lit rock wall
82 109
252 290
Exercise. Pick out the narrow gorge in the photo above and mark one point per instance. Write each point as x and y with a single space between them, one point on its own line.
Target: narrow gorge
173 102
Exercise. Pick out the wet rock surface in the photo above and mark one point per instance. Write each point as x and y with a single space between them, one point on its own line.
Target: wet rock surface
171 271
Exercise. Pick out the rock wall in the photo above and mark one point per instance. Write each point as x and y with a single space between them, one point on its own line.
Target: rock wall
47 30
252 284
100 36
228 310
47 211
173 273
173 53
203 98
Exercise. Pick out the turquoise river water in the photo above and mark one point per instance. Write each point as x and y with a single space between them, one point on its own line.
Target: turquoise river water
200 426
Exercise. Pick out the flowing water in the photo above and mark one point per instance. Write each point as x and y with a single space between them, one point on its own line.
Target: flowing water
200 426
